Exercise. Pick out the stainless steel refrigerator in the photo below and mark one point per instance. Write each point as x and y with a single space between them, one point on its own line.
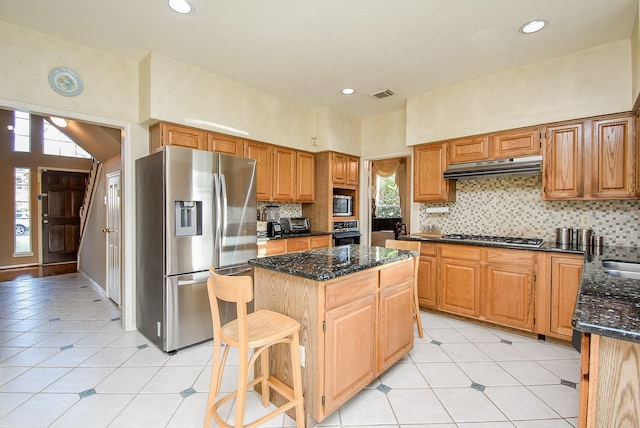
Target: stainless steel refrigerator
194 210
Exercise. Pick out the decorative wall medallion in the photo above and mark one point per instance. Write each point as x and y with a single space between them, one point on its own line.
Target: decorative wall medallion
65 82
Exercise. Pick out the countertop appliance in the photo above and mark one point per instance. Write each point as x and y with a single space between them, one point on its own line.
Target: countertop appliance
274 229
294 225
342 206
195 210
497 240
346 232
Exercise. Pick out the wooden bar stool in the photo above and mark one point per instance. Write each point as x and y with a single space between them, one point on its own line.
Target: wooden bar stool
411 246
256 331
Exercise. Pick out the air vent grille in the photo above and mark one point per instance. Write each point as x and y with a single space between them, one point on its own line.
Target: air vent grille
382 93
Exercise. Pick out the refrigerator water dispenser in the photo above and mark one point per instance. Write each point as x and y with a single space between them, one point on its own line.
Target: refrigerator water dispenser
188 218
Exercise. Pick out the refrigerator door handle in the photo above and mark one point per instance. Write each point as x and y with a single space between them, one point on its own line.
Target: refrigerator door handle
197 279
218 226
223 211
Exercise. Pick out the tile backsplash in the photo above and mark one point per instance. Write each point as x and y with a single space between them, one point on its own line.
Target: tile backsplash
287 209
513 206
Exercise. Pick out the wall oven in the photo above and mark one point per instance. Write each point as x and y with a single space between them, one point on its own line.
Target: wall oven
345 233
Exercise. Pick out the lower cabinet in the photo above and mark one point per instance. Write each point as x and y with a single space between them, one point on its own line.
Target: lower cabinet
459 290
609 382
565 281
427 276
274 247
508 288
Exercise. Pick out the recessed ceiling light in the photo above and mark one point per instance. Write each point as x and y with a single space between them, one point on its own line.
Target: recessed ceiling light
348 91
180 6
533 26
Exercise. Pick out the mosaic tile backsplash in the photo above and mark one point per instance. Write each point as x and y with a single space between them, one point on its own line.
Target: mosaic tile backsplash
513 206
287 209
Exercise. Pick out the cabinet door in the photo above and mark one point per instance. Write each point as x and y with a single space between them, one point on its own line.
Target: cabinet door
173 135
427 280
284 174
350 350
262 154
225 144
320 241
275 246
353 170
469 149
339 168
563 166
523 142
430 161
565 281
396 324
508 295
297 244
613 159
305 177
459 287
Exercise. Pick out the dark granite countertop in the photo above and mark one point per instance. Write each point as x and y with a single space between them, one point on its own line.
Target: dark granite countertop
328 263
606 305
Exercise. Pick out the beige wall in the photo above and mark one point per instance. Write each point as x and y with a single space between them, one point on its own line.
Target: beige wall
187 95
338 132
635 57
588 83
384 134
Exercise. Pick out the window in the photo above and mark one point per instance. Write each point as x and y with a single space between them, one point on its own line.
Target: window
57 144
21 132
22 242
387 197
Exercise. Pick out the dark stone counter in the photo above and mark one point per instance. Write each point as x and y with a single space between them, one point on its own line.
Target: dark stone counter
328 263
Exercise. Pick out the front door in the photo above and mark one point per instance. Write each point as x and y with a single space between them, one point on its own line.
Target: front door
113 236
62 195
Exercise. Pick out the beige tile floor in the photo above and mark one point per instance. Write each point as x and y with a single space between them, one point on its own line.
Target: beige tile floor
66 362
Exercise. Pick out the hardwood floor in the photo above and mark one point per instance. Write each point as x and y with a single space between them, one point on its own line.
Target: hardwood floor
37 271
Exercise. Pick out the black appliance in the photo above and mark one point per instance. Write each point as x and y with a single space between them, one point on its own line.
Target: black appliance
274 229
497 240
346 233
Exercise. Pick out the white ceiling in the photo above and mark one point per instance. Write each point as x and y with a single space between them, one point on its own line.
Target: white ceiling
305 51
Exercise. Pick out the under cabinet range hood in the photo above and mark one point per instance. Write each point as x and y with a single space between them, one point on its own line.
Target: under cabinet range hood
530 165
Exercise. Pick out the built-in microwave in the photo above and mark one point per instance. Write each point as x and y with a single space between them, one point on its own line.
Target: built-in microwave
342 205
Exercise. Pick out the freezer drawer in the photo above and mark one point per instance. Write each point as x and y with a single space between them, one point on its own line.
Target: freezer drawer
187 313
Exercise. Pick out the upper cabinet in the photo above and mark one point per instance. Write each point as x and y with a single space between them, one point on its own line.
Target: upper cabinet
166 134
470 149
345 170
282 174
591 159
429 163
501 145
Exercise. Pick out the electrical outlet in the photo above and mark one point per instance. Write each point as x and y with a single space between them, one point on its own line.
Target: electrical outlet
585 220
303 357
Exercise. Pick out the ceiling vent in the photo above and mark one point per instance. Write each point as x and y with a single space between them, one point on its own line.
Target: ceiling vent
381 93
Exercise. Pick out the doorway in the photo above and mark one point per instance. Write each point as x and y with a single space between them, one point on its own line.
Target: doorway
112 230
62 195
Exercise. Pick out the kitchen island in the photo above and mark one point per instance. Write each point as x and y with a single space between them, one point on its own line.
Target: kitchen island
354 306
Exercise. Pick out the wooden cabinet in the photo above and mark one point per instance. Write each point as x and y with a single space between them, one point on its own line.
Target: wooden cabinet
262 154
508 287
345 170
591 159
613 159
427 275
565 281
429 163
355 327
284 174
320 241
517 143
226 144
470 149
305 177
274 247
459 288
562 165
609 383
167 134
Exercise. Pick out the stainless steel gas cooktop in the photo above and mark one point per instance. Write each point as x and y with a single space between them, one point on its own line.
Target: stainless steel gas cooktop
497 240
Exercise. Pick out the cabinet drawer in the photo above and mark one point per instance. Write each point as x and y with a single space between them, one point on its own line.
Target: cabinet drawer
350 288
508 257
427 249
277 246
459 252
320 241
396 273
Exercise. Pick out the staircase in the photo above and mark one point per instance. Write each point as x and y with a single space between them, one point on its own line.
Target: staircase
96 169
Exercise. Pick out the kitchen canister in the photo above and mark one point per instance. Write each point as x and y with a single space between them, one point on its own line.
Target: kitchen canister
564 235
583 237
